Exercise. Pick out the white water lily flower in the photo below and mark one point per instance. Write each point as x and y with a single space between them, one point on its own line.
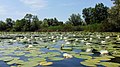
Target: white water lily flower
65 38
90 39
88 50
104 52
103 42
85 38
25 38
76 39
74 35
66 55
107 37
82 40
29 46
28 39
52 37
118 36
88 43
54 40
61 37
67 43
41 39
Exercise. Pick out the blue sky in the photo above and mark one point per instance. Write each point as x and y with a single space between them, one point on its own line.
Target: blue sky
62 9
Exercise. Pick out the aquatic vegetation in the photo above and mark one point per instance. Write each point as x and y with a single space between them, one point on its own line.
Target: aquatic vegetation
86 53
6 58
45 63
91 63
83 56
46 47
55 58
16 61
37 59
110 64
66 55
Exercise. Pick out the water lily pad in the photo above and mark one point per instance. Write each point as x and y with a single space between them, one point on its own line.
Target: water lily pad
45 63
19 53
89 63
16 61
54 53
30 64
110 64
55 58
31 55
104 58
85 53
37 59
82 56
7 58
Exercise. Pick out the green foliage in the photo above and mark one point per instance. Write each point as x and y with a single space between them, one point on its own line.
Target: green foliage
93 27
2 26
95 15
98 18
75 20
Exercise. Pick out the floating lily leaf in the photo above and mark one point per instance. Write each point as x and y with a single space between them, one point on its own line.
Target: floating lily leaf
110 64
89 63
104 58
55 58
16 61
54 53
30 64
45 63
6 58
19 53
67 48
85 53
37 59
31 55
82 56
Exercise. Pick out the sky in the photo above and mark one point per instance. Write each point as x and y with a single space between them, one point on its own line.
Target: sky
61 9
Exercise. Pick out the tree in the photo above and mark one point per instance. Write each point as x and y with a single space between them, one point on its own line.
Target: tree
101 13
2 26
95 15
9 23
35 24
114 17
27 20
88 15
19 24
75 19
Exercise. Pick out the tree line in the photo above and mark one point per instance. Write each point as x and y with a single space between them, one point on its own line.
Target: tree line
97 18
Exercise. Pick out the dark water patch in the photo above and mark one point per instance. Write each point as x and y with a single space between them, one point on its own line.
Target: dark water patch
3 64
116 60
73 62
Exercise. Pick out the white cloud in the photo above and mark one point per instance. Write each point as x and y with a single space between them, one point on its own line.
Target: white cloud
35 3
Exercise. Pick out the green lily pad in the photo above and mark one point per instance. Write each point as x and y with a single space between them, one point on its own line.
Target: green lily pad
30 64
82 56
16 61
19 53
53 53
37 59
89 63
7 58
55 58
104 58
45 63
85 53
110 64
